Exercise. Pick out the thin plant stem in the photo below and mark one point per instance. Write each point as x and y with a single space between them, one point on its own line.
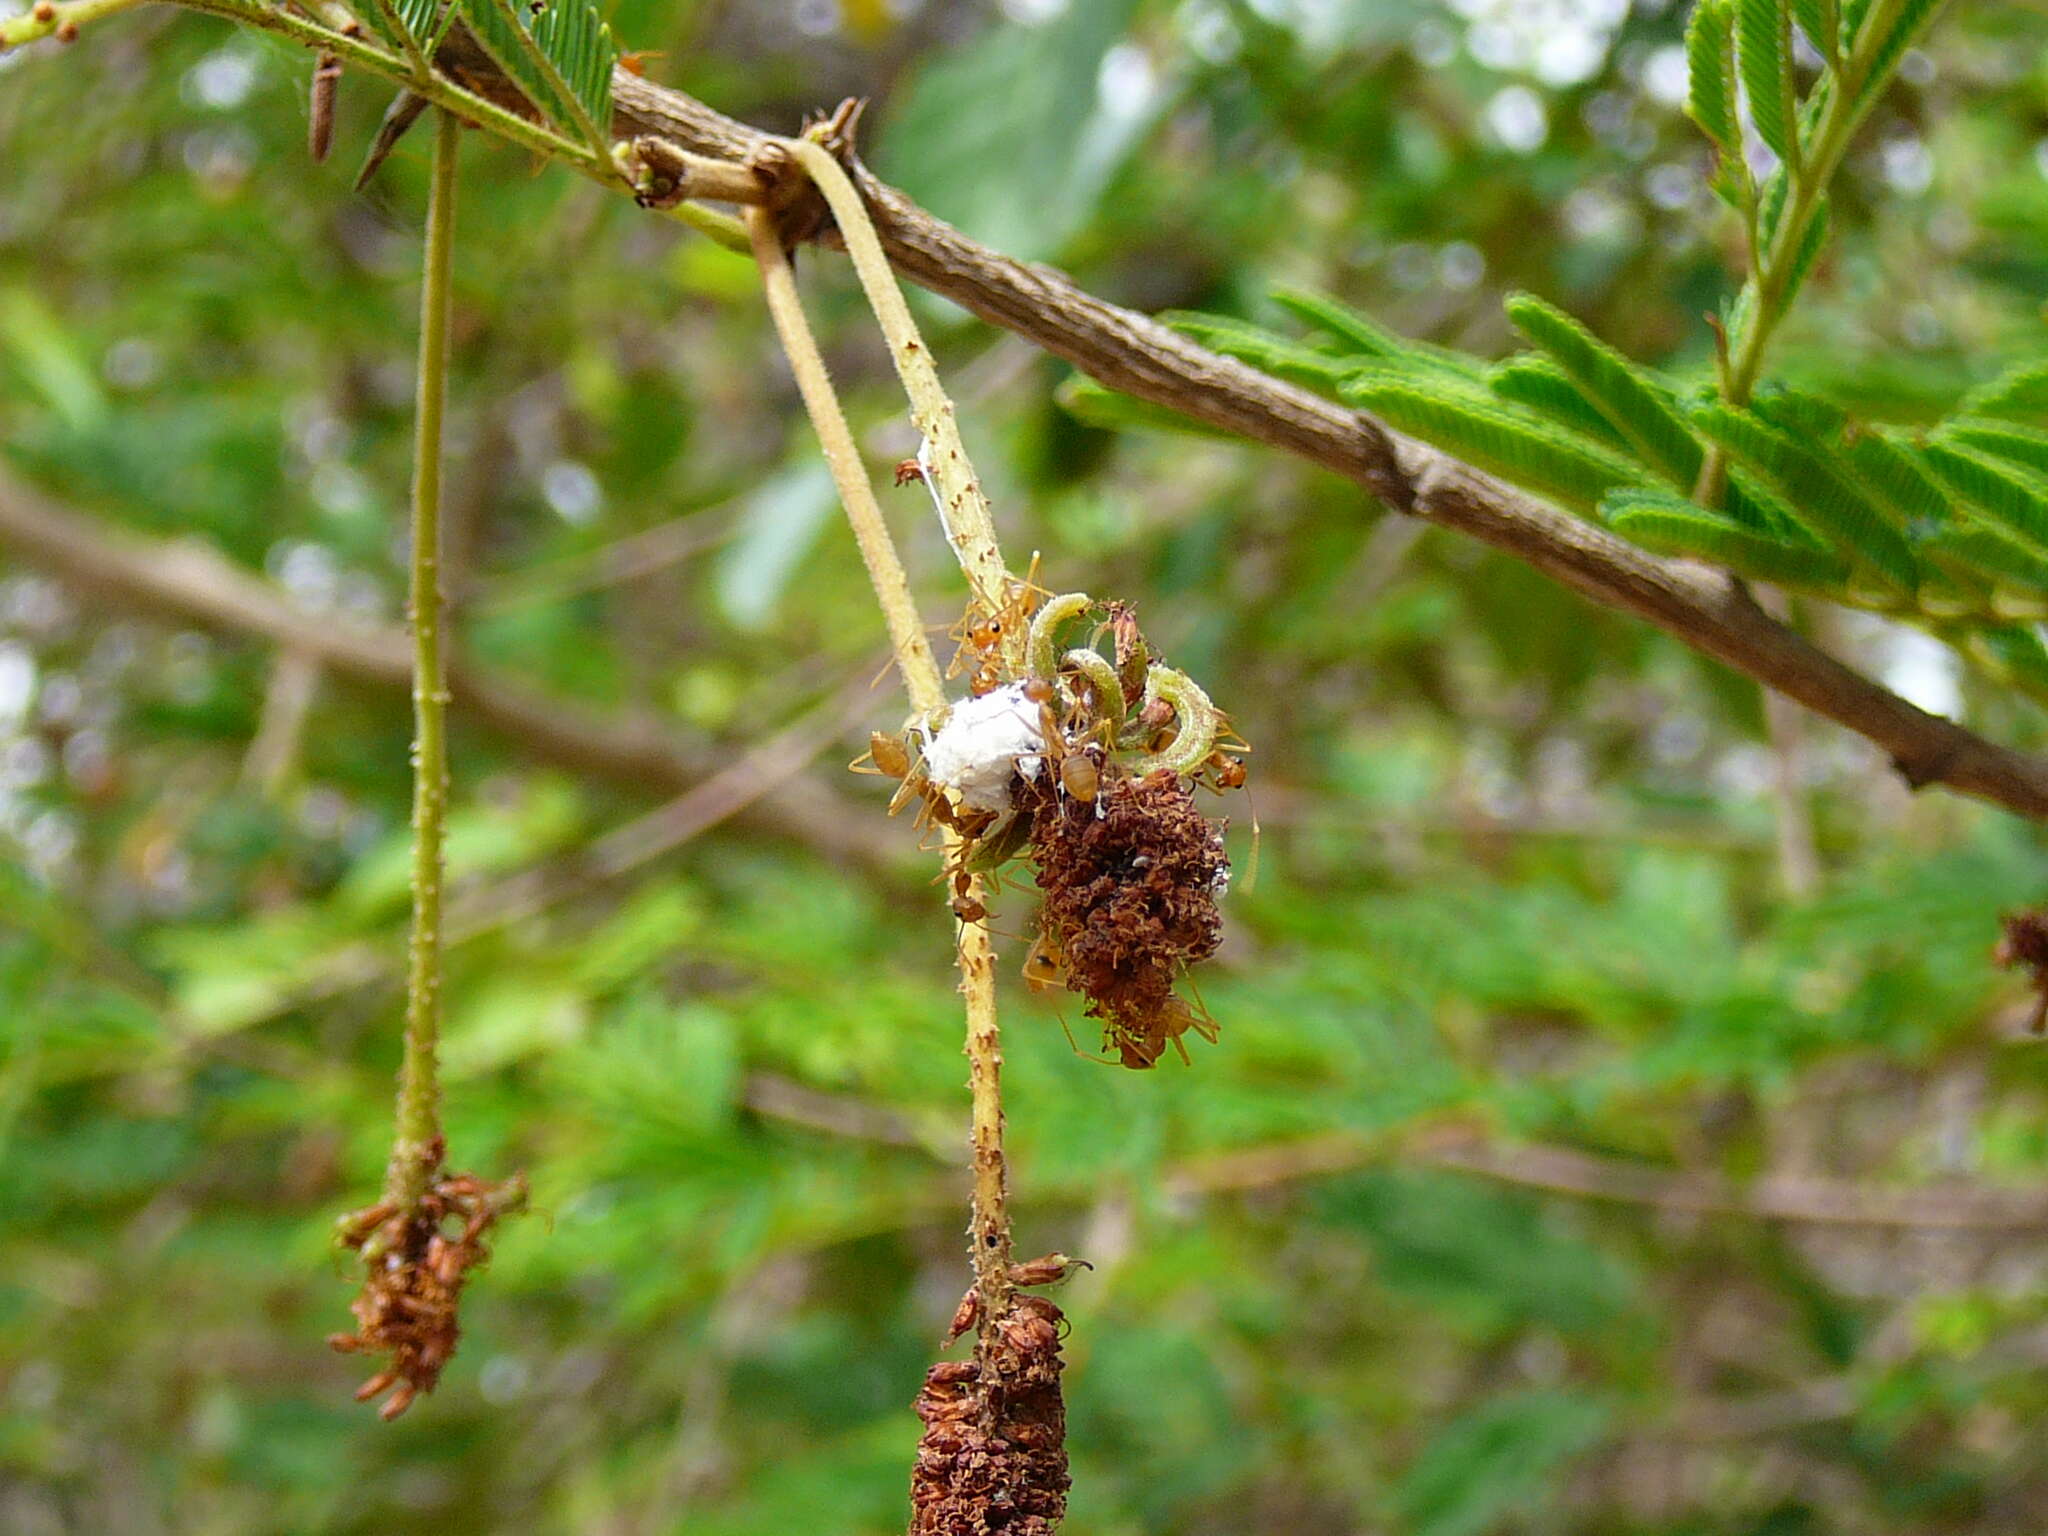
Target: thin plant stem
963 509
417 1151
989 1221
1841 111
913 652
62 21
1807 174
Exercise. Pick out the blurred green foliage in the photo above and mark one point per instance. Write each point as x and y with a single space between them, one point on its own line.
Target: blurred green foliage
1519 873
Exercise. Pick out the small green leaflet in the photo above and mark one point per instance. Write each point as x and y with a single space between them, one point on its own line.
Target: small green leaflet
408 24
2013 501
1359 335
1917 502
561 55
1710 73
1914 17
1672 525
2018 394
1262 349
1825 498
1749 501
1535 381
2013 653
1822 26
1519 446
2018 577
1100 406
1763 48
1622 393
2023 446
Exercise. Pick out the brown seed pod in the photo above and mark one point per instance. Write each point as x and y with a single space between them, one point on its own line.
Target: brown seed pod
320 114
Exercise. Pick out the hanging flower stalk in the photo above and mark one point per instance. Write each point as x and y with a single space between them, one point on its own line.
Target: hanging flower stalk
1050 753
419 1243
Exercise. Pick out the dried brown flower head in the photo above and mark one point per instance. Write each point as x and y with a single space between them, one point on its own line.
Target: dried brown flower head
1131 879
2023 945
417 1263
993 1457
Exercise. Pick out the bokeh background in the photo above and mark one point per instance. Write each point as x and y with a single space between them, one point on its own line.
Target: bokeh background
1573 1009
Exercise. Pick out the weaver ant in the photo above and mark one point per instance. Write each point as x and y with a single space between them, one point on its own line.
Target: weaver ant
979 636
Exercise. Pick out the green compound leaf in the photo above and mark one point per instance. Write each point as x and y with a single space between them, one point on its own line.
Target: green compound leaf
1518 446
2011 500
1263 349
1710 73
1535 381
1358 335
2026 447
1820 491
1821 22
1631 402
1763 37
412 25
1884 53
2018 394
561 57
1672 525
2017 575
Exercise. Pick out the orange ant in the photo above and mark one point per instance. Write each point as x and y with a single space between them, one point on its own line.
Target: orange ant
980 634
1224 769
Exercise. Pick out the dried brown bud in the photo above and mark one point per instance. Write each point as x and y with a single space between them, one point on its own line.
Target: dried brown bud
993 1455
2023 945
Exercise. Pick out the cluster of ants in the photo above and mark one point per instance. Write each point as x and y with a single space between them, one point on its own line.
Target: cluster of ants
1085 765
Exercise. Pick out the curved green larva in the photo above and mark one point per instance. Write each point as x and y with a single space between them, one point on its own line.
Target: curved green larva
1196 738
1101 679
1040 654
